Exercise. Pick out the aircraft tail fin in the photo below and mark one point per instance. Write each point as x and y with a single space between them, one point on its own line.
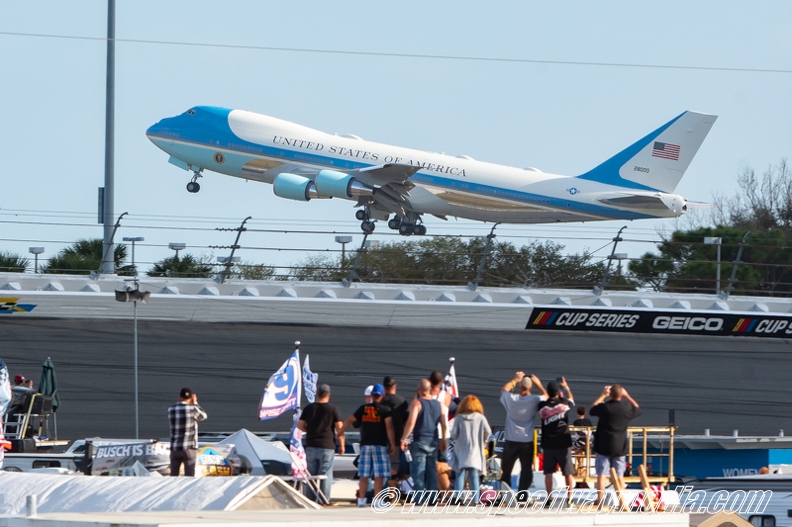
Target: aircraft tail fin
659 160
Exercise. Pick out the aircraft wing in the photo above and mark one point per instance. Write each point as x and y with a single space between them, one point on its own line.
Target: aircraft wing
391 183
390 172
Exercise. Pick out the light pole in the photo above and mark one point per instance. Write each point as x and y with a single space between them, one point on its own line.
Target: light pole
343 240
133 239
35 251
229 262
620 257
713 240
177 247
133 295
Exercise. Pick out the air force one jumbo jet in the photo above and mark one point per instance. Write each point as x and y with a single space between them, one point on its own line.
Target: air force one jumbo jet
402 185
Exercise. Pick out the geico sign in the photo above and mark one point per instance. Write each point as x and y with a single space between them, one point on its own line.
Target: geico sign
688 323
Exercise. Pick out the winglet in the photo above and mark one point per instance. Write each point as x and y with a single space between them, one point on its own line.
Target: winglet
659 160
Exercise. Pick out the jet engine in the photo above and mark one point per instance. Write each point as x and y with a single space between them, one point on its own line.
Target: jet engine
292 186
340 185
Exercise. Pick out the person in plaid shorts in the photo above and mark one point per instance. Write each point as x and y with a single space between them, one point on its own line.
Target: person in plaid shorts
377 442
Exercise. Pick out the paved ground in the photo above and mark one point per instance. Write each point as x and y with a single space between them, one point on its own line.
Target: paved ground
721 383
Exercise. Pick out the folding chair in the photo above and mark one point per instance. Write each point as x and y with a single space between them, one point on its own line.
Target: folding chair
301 475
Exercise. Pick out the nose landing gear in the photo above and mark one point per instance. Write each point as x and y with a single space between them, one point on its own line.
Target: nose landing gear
193 186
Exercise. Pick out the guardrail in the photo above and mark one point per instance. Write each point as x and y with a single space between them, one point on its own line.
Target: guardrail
584 458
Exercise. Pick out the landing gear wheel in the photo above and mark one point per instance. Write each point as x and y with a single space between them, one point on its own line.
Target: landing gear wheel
367 227
406 229
394 223
193 187
420 230
361 215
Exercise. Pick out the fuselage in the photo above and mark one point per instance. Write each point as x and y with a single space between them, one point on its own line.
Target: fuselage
258 147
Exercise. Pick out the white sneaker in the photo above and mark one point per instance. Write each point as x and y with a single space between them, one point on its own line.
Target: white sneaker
361 502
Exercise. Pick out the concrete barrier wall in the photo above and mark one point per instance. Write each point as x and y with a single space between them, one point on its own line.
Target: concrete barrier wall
63 296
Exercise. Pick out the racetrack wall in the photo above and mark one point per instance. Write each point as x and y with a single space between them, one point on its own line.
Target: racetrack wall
720 383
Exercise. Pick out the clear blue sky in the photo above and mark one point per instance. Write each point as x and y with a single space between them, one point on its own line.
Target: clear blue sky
586 82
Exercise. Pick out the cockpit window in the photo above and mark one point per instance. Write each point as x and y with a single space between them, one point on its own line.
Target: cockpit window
190 112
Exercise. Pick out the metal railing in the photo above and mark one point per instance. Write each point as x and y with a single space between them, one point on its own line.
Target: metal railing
584 458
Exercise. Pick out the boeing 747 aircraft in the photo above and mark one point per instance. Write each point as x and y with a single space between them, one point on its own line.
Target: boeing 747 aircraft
402 186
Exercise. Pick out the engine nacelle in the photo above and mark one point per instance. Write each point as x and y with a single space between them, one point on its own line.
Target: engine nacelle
292 186
340 185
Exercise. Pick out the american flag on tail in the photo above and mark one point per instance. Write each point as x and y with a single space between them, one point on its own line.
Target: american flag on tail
665 150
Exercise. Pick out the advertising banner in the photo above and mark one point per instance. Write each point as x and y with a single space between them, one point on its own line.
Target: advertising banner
669 322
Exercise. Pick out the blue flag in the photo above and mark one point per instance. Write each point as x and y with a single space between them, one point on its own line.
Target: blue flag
283 389
309 381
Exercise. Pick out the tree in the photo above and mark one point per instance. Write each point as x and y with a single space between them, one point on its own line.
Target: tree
251 271
188 266
453 261
543 265
13 263
763 202
318 268
762 206
85 256
685 264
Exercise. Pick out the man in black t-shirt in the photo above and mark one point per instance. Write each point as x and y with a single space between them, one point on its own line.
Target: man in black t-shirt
320 421
556 438
376 442
610 440
400 410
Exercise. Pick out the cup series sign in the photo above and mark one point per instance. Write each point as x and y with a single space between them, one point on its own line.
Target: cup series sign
637 321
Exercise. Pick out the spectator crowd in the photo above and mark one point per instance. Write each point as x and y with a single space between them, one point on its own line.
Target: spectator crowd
436 441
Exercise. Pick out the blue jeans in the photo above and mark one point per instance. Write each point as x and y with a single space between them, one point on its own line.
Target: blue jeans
320 461
423 467
471 476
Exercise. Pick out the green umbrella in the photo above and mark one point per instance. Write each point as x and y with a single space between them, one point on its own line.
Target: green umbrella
48 385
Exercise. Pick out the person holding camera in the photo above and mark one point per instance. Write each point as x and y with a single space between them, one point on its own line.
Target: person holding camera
521 409
610 440
184 417
556 437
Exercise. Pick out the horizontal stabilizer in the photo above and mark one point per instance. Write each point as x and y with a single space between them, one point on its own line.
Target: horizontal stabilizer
636 202
659 160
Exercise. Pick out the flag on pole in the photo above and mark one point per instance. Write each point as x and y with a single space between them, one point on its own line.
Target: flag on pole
299 463
5 388
283 389
309 381
450 384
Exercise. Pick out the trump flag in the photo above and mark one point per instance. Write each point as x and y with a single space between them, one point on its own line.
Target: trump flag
309 381
283 389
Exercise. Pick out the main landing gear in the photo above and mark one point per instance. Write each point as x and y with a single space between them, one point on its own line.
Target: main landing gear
193 186
412 225
407 228
367 225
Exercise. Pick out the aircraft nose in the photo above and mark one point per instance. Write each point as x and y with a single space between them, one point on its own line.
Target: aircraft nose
155 129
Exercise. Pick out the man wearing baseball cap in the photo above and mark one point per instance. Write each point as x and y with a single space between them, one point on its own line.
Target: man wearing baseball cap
377 441
184 417
320 421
